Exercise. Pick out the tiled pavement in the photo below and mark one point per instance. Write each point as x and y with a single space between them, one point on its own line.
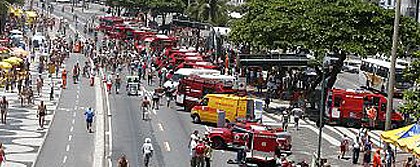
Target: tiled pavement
21 136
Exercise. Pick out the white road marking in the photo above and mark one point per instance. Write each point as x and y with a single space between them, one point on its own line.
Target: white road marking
75 107
167 146
160 126
65 159
77 96
67 148
71 129
74 114
70 137
154 111
207 128
73 121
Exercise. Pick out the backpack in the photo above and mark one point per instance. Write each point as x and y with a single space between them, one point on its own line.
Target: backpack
199 149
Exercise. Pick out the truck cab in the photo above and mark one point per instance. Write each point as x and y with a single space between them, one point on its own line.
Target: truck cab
357 108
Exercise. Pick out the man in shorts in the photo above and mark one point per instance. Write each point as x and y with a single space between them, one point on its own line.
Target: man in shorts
89 119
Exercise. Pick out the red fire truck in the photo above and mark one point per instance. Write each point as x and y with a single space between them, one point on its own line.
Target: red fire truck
357 108
156 42
107 22
191 89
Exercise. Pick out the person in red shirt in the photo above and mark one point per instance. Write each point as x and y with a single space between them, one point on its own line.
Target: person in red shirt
377 159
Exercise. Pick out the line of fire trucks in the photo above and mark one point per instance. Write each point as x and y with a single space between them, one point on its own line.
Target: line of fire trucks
212 97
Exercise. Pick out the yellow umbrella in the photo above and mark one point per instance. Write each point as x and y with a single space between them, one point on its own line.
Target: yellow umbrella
5 65
409 143
15 59
392 136
20 51
12 62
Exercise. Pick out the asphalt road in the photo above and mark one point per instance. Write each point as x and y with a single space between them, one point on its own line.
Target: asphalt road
68 142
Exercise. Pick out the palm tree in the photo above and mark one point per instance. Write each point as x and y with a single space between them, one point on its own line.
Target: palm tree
212 11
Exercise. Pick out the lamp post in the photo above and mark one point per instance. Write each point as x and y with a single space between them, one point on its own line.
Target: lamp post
326 68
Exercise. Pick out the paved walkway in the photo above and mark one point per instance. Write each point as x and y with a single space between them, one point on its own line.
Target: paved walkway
21 136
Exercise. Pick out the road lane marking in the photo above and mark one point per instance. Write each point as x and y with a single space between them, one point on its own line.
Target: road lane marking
73 121
75 107
74 114
77 96
160 126
70 137
167 146
154 111
67 148
207 128
65 159
71 129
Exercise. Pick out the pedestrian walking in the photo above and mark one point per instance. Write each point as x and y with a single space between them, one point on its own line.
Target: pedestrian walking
147 150
2 155
389 157
155 100
343 146
297 115
42 111
4 104
356 150
367 153
89 119
208 152
51 89
64 78
199 153
123 162
39 84
377 162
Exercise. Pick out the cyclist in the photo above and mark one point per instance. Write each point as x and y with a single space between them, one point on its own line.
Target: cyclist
147 151
89 119
145 106
123 162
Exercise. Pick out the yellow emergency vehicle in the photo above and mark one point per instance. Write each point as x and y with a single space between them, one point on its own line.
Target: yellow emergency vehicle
234 107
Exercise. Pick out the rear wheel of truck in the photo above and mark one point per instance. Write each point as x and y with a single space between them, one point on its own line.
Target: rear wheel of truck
196 119
218 143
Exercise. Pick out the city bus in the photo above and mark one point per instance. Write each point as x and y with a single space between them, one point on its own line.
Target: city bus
374 74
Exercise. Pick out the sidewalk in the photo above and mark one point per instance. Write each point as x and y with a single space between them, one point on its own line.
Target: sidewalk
21 136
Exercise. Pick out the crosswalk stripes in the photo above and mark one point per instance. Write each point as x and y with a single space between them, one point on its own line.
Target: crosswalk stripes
337 130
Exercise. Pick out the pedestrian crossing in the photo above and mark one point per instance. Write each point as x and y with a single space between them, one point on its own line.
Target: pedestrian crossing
332 134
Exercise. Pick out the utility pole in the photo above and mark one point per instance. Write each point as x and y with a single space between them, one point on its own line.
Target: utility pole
391 82
325 67
417 10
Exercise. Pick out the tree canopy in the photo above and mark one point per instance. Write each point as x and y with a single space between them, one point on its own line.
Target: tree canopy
212 11
340 27
353 26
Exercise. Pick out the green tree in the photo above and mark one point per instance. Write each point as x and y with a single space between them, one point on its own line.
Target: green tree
4 5
323 26
163 7
212 11
412 96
